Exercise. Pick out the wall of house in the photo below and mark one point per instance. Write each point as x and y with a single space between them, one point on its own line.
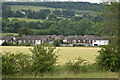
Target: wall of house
1 41
100 42
37 42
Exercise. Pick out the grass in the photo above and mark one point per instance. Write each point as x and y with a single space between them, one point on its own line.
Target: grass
25 19
34 8
9 34
70 75
65 53
88 53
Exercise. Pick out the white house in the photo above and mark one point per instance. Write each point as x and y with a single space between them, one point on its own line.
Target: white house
100 42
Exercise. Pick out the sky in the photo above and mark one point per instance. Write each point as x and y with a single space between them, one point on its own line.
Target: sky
91 1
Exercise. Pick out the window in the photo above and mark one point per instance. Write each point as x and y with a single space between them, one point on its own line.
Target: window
78 40
83 40
28 40
74 41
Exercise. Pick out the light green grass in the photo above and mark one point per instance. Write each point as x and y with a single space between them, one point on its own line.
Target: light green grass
28 20
34 8
9 34
65 53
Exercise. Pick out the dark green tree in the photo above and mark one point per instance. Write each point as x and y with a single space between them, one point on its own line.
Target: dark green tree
44 58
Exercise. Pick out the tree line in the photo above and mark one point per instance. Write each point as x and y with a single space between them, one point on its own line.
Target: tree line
64 5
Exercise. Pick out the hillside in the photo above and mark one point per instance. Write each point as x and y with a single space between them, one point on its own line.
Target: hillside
64 5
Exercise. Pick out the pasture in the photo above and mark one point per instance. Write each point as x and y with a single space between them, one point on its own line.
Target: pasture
65 53
34 8
25 19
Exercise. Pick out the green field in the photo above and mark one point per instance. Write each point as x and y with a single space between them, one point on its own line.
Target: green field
28 20
34 8
9 34
65 53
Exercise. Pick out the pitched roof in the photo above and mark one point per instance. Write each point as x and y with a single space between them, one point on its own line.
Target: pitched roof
34 37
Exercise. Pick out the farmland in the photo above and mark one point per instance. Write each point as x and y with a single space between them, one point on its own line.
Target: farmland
25 19
34 8
65 53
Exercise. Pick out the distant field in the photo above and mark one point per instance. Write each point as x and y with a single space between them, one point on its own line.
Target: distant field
34 8
28 20
9 34
65 53
37 8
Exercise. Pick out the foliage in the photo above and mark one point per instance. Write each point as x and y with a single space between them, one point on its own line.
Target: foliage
44 58
56 42
25 44
5 44
13 63
77 65
109 58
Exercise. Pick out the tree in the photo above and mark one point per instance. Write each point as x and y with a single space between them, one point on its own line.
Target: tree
24 31
44 58
56 42
52 17
109 58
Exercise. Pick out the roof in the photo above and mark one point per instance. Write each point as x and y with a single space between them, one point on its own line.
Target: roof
34 37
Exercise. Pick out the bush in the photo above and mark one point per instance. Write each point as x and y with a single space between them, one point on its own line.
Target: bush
25 44
109 58
5 44
13 63
77 66
44 58
56 42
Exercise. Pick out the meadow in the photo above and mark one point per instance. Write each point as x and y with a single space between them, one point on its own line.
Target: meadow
34 8
25 19
64 53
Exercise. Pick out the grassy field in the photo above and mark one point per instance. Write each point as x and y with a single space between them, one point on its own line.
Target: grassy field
69 75
25 19
65 53
9 34
34 8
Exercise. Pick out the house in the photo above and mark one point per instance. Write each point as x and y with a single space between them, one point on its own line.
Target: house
87 40
8 39
34 39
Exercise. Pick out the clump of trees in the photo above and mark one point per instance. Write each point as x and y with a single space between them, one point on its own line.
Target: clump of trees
42 60
109 56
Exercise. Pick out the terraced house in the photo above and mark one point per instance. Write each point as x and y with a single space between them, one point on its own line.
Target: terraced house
88 40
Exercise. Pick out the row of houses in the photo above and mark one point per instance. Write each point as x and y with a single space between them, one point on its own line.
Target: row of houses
87 40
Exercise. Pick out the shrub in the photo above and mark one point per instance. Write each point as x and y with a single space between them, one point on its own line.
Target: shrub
56 42
25 44
13 63
77 66
5 44
109 58
44 58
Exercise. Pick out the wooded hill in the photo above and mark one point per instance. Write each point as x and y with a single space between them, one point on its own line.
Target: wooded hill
53 18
